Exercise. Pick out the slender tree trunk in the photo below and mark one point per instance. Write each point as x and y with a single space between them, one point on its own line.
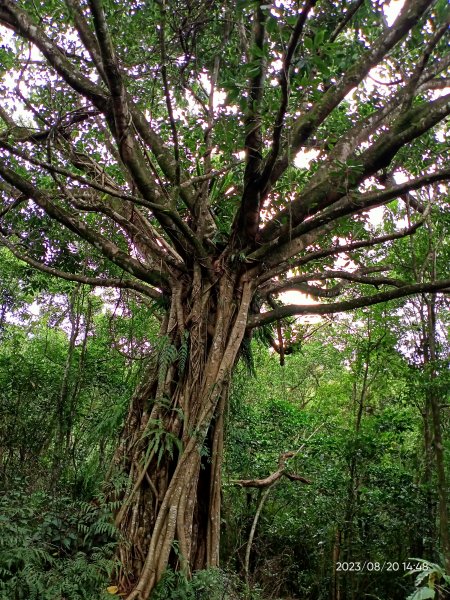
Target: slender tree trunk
336 587
64 412
171 446
344 586
434 403
428 533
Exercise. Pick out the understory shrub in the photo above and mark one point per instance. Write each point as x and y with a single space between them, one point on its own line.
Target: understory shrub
211 584
53 548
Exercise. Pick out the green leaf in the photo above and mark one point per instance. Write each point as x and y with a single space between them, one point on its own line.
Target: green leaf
319 37
271 24
308 44
422 594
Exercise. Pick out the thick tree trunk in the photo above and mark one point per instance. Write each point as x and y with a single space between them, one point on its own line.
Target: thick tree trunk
171 447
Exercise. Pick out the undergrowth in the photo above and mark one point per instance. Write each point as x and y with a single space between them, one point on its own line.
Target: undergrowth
211 584
54 548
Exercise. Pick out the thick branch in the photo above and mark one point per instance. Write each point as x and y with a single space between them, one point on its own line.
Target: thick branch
291 310
92 281
173 127
86 36
247 219
268 481
253 140
359 276
307 124
280 267
334 183
96 239
284 80
357 203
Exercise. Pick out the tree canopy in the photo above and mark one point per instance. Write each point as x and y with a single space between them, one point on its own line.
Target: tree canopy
158 135
209 157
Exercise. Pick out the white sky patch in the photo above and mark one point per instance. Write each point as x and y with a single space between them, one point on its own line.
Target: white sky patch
305 157
376 216
34 309
392 9
219 95
277 64
441 135
294 297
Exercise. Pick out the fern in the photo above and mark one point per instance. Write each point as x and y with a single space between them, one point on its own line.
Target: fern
183 353
54 549
211 584
246 355
160 441
167 355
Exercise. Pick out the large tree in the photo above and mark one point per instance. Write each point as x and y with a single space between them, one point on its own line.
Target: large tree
165 147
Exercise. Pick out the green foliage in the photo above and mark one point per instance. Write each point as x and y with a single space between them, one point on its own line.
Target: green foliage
213 584
160 441
366 485
83 400
431 579
53 548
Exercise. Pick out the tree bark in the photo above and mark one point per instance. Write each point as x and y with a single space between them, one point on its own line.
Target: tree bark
433 399
171 446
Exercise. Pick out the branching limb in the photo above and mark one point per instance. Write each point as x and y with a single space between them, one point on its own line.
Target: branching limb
86 36
164 157
173 127
337 250
121 126
206 224
291 310
414 80
178 223
358 276
357 203
253 139
308 123
153 250
352 10
84 279
267 485
284 81
96 239
122 117
407 127
320 292
271 479
247 219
